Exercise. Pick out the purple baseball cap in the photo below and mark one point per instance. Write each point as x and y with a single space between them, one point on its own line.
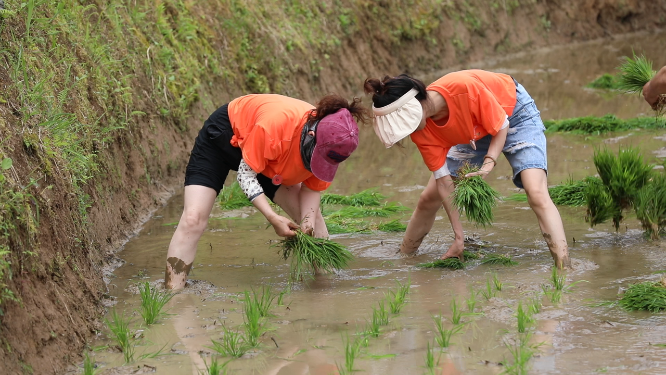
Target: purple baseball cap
337 138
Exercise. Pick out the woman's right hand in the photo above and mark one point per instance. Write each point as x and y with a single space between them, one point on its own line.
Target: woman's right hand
283 226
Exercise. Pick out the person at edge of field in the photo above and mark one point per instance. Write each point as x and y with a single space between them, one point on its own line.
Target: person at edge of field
655 88
284 149
467 116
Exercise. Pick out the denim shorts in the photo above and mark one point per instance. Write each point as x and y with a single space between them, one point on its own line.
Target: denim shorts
525 145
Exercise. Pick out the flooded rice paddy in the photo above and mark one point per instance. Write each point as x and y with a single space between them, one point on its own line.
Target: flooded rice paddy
576 336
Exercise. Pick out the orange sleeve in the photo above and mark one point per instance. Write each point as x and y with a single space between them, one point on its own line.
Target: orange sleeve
433 154
258 147
316 184
490 113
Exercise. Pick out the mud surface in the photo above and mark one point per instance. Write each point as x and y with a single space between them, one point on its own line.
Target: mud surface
576 335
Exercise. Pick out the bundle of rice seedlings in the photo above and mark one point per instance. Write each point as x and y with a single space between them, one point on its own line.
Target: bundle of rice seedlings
570 193
392 226
622 175
355 212
600 206
309 254
473 197
452 263
601 125
369 197
650 206
605 82
504 260
340 225
635 73
232 197
650 296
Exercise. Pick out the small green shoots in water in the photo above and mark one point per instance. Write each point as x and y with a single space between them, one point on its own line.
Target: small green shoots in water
152 302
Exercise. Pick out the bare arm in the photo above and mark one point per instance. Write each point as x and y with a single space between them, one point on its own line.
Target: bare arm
445 188
494 150
309 201
655 87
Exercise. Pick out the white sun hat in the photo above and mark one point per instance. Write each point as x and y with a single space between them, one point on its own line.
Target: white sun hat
399 119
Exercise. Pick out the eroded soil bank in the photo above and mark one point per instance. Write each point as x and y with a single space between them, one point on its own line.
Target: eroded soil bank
122 68
574 336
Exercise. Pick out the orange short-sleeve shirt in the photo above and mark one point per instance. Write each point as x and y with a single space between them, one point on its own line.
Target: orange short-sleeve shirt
267 128
479 103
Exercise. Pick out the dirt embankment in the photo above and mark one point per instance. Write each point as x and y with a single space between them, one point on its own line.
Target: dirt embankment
99 105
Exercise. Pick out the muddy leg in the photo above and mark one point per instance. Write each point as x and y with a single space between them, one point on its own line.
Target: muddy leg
550 222
422 219
199 202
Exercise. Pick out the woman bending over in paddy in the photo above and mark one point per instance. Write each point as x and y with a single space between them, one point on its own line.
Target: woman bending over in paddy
284 149
468 116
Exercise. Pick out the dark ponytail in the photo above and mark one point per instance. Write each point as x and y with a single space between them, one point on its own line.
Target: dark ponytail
389 89
332 103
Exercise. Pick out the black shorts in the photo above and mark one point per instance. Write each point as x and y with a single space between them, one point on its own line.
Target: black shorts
213 156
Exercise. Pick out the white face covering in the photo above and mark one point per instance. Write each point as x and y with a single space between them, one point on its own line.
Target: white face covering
398 119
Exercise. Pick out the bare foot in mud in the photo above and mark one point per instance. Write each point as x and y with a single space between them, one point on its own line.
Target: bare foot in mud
175 275
455 251
562 262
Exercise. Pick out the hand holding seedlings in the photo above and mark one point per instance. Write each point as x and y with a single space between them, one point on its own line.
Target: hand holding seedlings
655 90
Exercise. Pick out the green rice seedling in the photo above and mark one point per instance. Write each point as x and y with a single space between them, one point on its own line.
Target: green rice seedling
309 253
456 314
600 206
369 197
524 318
232 197
635 73
471 300
469 255
232 344
340 225
606 82
452 263
534 304
570 193
283 292
152 302
372 328
649 296
397 299
122 335
443 336
352 350
474 198
430 362
392 226
602 125
215 367
623 176
252 322
501 259
380 314
650 206
553 294
557 279
488 292
262 302
521 354
498 284
88 365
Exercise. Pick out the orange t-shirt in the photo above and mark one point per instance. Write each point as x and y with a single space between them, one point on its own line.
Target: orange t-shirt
479 103
267 128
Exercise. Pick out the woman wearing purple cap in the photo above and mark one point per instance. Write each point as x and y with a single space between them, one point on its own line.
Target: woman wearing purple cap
283 148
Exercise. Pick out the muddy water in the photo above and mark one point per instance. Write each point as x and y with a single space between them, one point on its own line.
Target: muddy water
305 335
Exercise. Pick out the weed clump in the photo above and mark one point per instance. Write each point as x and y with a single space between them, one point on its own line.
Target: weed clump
232 197
601 125
649 296
474 197
309 254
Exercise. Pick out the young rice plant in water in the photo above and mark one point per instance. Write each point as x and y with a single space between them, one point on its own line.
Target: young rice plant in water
369 197
397 299
474 198
122 335
215 367
443 336
262 302
452 263
650 206
232 344
309 253
152 302
501 259
649 296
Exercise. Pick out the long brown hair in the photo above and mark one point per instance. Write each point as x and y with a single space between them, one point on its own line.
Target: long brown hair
332 103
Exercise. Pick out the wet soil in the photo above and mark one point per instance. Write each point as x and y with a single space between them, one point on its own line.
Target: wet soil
576 335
